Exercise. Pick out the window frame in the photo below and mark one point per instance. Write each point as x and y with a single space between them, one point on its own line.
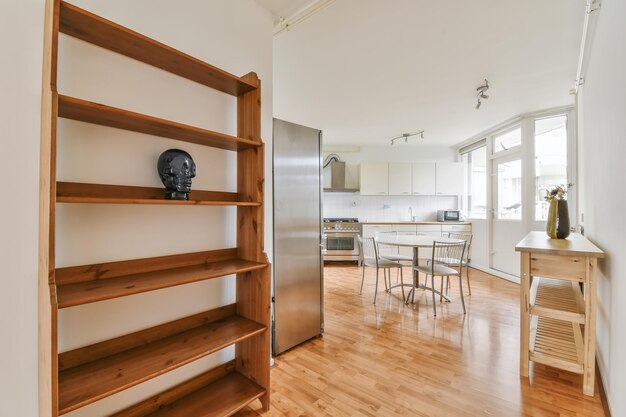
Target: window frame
527 148
492 139
465 206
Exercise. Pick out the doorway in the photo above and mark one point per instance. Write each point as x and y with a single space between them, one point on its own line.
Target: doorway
506 219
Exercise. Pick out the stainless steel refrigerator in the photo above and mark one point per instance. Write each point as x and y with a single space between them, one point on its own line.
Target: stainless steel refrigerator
298 313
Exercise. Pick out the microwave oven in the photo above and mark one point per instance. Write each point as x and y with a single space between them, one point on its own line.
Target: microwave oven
448 215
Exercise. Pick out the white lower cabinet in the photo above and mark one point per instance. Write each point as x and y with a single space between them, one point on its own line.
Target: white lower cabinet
370 230
429 229
461 228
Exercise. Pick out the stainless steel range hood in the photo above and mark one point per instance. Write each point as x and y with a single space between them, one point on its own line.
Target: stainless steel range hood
337 175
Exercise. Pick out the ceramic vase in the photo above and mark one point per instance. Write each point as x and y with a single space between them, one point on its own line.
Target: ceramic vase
553 212
562 227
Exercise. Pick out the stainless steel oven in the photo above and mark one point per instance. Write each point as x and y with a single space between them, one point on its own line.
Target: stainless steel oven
341 239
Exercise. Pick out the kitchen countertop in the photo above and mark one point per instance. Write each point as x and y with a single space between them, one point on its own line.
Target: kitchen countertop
417 222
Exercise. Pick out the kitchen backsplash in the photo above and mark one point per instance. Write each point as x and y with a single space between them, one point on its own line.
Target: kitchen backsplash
386 208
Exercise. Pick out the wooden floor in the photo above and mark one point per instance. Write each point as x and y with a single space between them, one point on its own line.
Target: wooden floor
390 359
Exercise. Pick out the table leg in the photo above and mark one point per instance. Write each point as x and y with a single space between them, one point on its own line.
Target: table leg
415 274
524 314
589 355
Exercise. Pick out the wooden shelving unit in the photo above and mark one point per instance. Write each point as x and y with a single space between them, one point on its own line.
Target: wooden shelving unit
73 379
557 326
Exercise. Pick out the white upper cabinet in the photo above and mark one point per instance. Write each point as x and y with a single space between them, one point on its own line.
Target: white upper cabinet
374 178
404 178
423 178
449 178
399 178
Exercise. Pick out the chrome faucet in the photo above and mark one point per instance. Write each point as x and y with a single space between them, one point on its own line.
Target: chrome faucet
410 213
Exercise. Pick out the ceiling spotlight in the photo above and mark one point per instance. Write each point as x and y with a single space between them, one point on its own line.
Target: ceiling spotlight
406 136
481 94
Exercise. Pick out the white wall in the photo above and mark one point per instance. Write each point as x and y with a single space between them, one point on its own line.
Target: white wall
385 208
236 36
21 42
602 151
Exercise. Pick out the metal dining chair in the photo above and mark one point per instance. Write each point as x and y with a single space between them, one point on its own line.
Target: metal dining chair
369 258
395 254
451 254
467 237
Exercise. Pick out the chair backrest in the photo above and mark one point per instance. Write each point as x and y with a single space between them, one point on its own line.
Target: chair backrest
386 249
368 250
450 254
467 237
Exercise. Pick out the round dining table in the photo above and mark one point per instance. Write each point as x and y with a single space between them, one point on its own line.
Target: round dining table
416 242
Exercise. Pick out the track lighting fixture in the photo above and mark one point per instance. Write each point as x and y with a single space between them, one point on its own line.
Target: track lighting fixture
406 136
481 94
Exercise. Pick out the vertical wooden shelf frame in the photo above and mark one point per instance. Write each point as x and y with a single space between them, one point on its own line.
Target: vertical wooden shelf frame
245 324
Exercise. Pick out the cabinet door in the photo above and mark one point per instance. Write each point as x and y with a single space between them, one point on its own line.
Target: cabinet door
423 178
400 178
374 178
429 229
449 178
370 230
463 228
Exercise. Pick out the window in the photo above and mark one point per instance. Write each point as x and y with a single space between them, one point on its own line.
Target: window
475 173
550 160
507 140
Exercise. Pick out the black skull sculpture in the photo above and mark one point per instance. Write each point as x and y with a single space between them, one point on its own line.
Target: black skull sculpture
176 169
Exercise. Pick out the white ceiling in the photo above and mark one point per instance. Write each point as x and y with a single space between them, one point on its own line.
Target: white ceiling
365 71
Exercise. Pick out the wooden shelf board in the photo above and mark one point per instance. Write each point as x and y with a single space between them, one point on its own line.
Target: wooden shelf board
74 192
223 397
557 299
81 24
92 381
100 114
216 393
104 289
557 343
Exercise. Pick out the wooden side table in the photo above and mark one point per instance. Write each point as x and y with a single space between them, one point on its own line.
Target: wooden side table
557 319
